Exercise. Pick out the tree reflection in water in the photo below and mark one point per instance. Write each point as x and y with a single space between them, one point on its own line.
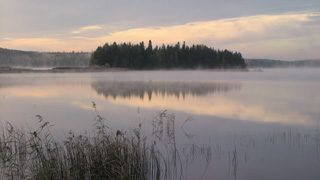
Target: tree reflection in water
128 89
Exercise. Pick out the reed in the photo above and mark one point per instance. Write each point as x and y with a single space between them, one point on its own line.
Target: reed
108 154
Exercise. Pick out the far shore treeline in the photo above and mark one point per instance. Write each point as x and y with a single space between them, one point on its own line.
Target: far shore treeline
137 56
18 58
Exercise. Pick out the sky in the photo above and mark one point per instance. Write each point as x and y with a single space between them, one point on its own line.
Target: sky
273 29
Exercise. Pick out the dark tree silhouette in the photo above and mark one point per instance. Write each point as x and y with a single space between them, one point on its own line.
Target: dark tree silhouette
140 57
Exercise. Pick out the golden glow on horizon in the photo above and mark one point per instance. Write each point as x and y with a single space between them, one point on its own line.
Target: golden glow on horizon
34 42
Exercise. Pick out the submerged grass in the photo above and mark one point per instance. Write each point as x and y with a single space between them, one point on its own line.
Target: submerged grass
106 155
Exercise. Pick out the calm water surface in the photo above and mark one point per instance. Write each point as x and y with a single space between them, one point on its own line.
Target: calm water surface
259 125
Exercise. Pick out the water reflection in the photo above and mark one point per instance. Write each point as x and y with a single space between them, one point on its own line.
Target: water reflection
140 89
43 79
252 122
270 102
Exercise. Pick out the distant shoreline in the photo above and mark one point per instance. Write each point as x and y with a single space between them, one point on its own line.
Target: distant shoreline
11 70
7 69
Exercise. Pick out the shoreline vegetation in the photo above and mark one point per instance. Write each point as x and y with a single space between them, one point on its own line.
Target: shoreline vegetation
105 154
8 70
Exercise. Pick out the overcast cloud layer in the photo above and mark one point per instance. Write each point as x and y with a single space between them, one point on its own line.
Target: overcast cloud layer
275 29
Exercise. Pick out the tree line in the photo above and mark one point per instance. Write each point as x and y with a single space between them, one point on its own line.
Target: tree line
43 59
269 63
139 56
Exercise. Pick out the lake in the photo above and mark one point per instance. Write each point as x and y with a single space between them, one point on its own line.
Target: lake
256 125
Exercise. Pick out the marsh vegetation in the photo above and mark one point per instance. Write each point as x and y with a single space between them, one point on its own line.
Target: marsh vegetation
104 154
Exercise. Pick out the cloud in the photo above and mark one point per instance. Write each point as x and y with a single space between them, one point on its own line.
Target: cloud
83 29
250 28
8 39
284 36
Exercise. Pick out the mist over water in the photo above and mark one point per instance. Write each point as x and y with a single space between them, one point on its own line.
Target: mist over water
128 89
259 125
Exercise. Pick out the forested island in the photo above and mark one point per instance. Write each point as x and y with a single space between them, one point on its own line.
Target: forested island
137 56
130 56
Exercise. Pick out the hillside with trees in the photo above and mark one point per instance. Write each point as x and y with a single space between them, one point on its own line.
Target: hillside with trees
267 63
139 56
16 58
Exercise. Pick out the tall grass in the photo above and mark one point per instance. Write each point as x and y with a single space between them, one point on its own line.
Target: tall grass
108 154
